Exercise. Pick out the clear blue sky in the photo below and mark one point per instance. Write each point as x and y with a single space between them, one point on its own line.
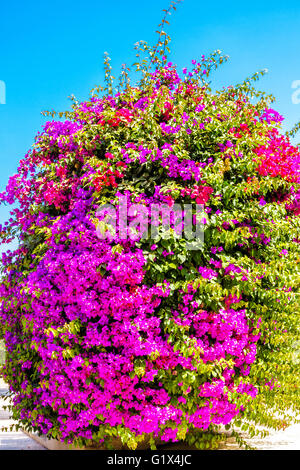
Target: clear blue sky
51 49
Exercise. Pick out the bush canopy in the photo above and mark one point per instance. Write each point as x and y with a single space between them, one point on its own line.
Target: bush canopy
131 332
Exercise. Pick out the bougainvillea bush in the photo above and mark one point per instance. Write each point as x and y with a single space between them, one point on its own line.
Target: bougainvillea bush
131 337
